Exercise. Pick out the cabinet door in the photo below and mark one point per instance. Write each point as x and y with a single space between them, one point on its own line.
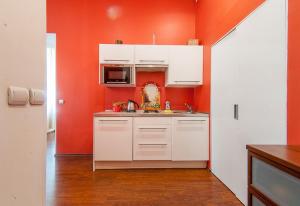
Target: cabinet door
152 139
190 139
113 139
151 54
185 66
116 54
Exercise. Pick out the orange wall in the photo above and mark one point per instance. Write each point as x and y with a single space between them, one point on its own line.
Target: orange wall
215 19
80 26
294 73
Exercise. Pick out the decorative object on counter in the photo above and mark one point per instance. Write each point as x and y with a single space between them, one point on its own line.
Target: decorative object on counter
193 42
118 41
168 107
151 97
119 106
131 106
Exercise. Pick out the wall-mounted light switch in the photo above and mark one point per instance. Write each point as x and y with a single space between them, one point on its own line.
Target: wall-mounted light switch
17 96
37 97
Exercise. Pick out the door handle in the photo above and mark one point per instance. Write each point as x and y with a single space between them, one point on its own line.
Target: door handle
236 112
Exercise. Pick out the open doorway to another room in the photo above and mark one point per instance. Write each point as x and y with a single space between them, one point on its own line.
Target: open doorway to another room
51 82
51 115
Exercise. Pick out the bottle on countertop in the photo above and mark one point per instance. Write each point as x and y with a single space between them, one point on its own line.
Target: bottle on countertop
168 105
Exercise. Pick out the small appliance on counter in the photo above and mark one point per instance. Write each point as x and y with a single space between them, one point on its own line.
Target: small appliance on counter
131 106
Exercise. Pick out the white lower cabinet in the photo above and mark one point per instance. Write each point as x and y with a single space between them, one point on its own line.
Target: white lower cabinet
152 138
190 139
113 139
143 142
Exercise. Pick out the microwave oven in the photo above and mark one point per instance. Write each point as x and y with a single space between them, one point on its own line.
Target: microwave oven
118 75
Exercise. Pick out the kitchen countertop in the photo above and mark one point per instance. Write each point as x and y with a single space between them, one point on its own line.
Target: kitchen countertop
140 113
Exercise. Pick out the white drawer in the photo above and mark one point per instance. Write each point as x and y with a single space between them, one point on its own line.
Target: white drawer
152 134
152 120
147 151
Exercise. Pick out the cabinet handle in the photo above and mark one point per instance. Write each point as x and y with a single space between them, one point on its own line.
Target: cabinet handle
191 120
236 112
153 144
152 60
186 81
115 120
116 60
152 128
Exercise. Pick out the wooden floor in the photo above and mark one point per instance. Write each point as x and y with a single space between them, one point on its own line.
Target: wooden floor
71 182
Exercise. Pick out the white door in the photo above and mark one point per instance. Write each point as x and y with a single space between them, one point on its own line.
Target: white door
223 98
262 80
260 92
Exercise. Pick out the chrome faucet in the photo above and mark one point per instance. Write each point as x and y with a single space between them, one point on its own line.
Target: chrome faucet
189 108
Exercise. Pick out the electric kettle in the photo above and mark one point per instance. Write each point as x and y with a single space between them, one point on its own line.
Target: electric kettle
131 106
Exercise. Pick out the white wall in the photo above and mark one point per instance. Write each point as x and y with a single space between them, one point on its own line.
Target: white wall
22 129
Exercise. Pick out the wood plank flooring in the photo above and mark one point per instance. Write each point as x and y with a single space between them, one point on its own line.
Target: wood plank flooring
71 182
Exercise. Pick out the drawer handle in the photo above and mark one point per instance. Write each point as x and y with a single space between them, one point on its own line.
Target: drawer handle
152 128
115 120
153 144
192 120
152 60
116 60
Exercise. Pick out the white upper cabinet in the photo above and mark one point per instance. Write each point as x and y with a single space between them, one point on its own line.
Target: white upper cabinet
151 54
183 63
116 54
185 66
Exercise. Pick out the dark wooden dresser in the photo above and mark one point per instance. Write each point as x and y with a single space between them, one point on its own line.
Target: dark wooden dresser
273 175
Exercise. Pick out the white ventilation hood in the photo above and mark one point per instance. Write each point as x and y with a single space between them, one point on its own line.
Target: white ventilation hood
151 67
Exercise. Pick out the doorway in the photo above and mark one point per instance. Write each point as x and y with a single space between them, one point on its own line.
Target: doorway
51 82
51 115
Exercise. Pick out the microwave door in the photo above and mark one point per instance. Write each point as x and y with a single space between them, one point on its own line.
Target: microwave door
117 75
